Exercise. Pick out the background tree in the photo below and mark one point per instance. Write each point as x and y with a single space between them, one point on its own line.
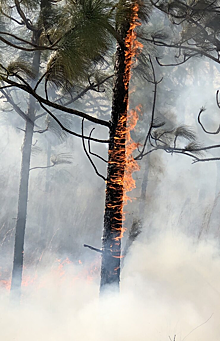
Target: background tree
34 30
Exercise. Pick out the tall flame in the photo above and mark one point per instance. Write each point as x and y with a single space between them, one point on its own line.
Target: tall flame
130 118
133 49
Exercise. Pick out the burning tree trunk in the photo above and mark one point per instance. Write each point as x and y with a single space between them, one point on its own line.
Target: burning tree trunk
113 218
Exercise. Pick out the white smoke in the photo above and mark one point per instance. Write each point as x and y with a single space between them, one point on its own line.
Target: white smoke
168 287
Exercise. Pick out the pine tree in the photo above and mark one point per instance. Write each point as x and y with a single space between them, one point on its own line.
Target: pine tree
75 51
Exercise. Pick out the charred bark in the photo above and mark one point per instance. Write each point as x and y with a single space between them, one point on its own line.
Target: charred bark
113 217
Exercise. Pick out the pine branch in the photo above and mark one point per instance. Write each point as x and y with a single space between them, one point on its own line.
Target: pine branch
70 131
26 87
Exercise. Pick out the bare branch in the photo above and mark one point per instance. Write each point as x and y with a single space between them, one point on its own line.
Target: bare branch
23 17
92 86
28 49
87 154
21 129
26 87
206 160
70 131
93 248
43 167
139 157
40 115
40 79
175 64
5 87
203 128
11 18
41 131
184 151
98 156
217 101
36 46
197 51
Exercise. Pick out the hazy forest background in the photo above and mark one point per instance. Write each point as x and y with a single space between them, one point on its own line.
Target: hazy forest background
170 270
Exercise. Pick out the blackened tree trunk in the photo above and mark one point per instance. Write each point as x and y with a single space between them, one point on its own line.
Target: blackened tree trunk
23 191
113 217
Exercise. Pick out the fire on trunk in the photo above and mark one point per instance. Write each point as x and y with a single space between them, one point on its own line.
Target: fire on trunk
121 163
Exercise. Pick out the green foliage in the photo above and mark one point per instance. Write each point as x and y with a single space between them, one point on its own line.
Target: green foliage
185 132
85 42
50 16
88 36
21 66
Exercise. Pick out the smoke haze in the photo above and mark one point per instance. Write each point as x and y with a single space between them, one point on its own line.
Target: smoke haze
169 287
170 283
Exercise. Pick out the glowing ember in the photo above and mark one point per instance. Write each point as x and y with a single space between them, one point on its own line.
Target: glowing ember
5 284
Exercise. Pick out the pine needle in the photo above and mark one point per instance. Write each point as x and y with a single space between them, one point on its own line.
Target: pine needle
185 132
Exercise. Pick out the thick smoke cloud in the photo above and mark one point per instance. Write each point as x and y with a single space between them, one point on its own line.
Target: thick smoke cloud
169 287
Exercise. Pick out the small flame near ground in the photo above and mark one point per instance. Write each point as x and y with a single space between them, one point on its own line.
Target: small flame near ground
59 270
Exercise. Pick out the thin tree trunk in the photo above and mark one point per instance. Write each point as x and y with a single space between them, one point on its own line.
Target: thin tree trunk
44 217
22 209
23 192
113 217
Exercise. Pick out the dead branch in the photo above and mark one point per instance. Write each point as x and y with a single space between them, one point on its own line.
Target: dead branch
26 21
42 167
92 86
28 89
87 154
93 248
41 131
196 50
185 59
203 128
70 131
89 144
24 41
155 82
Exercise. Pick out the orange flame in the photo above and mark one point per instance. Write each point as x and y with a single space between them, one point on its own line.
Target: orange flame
131 164
64 271
133 48
132 44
